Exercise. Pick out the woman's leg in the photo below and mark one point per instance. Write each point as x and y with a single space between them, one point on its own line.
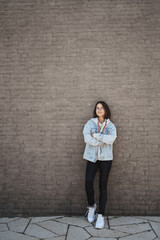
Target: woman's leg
91 170
105 167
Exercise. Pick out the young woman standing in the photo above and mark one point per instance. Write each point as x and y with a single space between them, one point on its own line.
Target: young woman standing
99 134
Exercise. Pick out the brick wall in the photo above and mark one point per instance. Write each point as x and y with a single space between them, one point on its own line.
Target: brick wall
58 58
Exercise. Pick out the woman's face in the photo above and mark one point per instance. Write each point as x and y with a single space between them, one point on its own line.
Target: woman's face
100 111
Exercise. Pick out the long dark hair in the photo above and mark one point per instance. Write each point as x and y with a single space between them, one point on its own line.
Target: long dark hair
107 110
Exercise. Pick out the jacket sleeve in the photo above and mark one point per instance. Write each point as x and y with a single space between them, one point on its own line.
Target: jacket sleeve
88 138
107 138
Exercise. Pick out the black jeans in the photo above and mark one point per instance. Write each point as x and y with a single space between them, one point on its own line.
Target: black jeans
91 170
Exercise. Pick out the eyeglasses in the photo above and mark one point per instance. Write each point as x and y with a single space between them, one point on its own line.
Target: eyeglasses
101 109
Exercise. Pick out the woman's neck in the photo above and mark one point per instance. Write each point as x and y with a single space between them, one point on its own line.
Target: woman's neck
101 119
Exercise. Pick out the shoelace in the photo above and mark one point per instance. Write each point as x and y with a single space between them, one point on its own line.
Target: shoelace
87 212
96 215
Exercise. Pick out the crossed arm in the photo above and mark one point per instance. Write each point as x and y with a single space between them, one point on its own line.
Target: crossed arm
106 138
98 139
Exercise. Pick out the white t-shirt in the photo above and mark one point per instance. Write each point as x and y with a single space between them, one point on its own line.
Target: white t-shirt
100 130
99 148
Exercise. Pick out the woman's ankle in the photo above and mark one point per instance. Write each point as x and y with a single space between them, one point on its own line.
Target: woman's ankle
101 214
92 206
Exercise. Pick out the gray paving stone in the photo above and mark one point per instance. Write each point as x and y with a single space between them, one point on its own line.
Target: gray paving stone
94 238
110 217
54 226
104 232
75 221
150 218
41 219
156 227
77 233
56 238
7 220
3 227
133 228
18 225
8 235
125 220
140 236
39 232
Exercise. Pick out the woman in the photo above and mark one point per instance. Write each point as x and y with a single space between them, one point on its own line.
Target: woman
99 134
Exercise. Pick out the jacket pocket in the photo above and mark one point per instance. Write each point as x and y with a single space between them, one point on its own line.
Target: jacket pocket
93 129
90 150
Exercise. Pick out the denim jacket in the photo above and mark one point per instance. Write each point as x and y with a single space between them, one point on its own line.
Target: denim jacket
103 141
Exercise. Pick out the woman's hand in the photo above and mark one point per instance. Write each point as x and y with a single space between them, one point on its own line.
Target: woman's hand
92 134
95 135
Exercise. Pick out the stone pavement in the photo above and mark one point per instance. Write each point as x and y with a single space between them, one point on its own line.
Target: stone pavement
77 228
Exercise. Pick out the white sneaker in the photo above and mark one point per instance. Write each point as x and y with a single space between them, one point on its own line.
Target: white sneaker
91 213
100 221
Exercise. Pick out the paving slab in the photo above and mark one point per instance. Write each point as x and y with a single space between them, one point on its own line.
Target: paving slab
42 219
80 222
156 227
3 227
150 218
56 238
18 225
38 231
77 227
140 236
133 228
104 232
77 233
7 220
8 235
94 238
113 217
124 220
54 226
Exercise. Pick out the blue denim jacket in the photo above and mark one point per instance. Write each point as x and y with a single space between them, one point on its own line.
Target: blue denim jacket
104 141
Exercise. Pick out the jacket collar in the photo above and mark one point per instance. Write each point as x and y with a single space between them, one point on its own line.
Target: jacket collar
95 120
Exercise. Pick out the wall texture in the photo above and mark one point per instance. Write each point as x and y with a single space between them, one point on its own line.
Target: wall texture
58 58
